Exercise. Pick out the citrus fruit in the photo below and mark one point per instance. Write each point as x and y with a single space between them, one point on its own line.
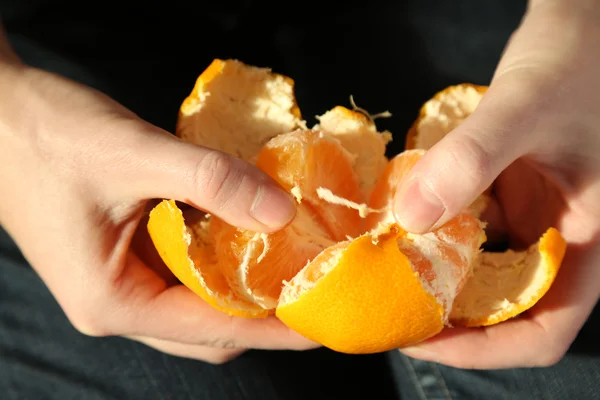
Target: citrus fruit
343 273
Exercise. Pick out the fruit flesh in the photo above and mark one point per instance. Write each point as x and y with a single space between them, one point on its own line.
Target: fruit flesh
309 160
366 288
242 272
256 266
442 258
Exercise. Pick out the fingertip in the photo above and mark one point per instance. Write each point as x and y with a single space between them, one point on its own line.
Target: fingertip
420 353
416 207
301 342
273 208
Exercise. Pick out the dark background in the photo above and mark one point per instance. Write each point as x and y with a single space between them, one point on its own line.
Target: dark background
390 55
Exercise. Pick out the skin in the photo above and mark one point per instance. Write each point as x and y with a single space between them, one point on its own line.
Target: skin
84 167
535 136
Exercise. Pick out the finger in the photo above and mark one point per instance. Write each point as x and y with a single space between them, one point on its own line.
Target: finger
177 314
539 337
203 353
159 165
136 302
488 348
455 171
506 125
142 305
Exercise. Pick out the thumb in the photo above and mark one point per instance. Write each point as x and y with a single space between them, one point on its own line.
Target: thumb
210 180
457 169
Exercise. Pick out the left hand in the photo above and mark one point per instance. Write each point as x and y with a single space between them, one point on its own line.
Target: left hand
77 170
536 134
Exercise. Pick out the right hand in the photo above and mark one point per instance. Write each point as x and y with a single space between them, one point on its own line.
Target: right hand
535 136
76 172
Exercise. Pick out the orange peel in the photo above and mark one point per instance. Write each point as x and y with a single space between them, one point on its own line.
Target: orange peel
342 273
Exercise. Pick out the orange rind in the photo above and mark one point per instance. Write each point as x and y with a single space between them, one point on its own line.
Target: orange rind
183 249
342 273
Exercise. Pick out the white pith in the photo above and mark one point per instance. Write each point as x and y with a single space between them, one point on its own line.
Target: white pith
501 281
248 107
444 113
240 111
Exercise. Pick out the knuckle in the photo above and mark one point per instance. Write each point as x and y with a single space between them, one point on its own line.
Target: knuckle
523 92
471 159
552 346
86 324
220 343
223 357
215 177
87 317
551 355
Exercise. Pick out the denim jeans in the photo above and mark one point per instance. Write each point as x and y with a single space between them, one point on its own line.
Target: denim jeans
389 55
43 357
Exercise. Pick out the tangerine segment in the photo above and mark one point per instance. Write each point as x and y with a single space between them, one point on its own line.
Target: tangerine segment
359 136
191 259
444 257
506 284
361 296
385 189
256 265
306 160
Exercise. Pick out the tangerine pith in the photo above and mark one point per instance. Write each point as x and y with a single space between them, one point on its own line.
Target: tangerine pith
343 273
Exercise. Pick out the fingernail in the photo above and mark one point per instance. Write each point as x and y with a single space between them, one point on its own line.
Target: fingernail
417 209
421 354
273 207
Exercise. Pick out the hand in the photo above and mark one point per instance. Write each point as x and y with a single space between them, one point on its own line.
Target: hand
76 171
536 134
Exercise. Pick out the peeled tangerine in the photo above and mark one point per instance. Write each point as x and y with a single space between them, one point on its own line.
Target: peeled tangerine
342 273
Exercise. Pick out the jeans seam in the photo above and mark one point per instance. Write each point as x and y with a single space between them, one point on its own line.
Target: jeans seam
181 377
240 384
436 370
413 376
